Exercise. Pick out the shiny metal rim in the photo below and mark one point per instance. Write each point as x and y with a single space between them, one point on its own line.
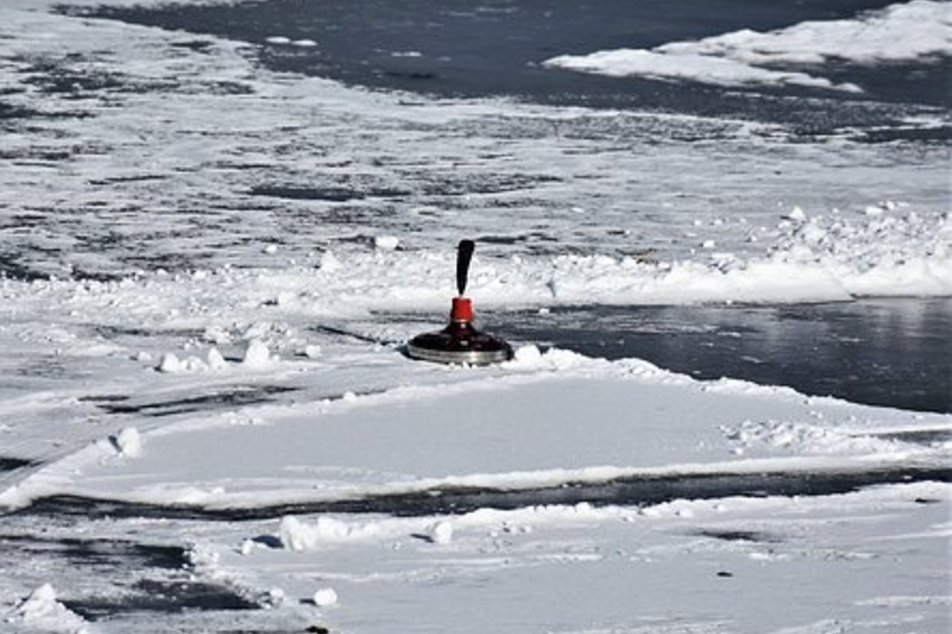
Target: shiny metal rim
471 357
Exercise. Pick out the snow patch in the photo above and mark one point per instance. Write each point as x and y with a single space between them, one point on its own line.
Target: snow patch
806 439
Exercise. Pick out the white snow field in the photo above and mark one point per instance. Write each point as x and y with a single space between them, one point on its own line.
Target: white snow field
206 423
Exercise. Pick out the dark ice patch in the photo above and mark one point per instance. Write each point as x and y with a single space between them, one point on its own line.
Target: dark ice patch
99 553
12 464
9 111
140 577
941 134
231 397
150 595
327 193
918 436
626 491
739 536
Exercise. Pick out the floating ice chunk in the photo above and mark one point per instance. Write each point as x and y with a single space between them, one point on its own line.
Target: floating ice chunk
271 249
668 64
305 43
386 243
257 354
312 351
278 39
42 611
903 31
325 597
527 355
441 532
531 358
129 442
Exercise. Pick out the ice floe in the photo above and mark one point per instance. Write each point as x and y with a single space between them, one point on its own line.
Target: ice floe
916 30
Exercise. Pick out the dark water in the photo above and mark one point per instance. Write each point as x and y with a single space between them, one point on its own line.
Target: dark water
496 47
890 352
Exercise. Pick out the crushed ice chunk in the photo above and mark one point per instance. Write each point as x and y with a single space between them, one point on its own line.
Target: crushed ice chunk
386 243
528 355
129 442
797 214
257 354
169 364
325 597
330 263
275 597
215 360
41 611
441 532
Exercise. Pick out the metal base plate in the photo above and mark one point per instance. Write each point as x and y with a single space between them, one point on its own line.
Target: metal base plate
456 345
468 357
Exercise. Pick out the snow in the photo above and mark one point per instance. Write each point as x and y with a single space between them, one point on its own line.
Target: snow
918 30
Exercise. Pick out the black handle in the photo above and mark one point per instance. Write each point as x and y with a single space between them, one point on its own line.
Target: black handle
463 257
